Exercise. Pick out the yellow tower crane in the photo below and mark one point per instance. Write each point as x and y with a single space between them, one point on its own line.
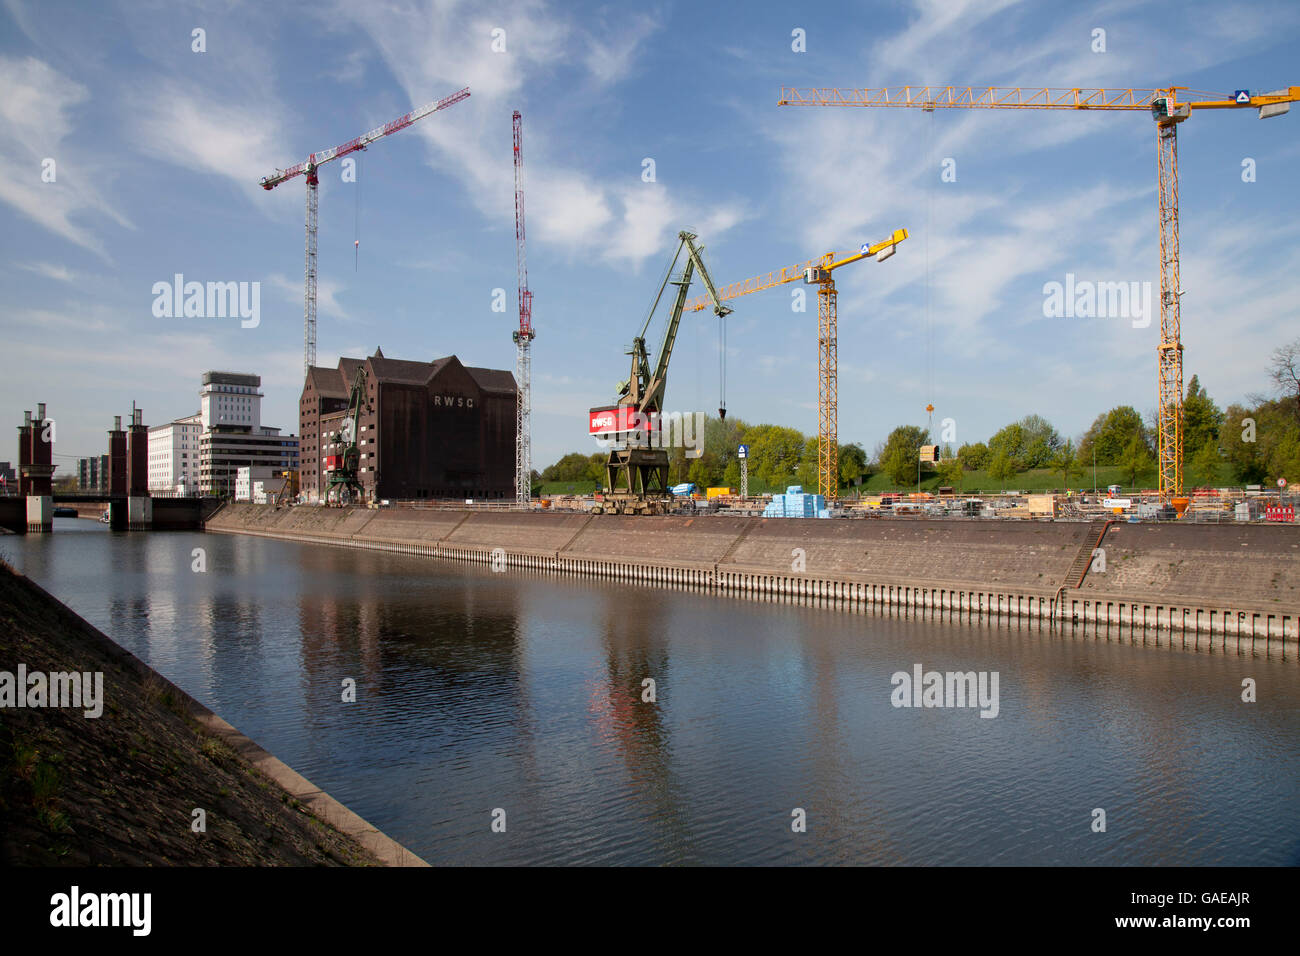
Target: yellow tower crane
817 272
1168 107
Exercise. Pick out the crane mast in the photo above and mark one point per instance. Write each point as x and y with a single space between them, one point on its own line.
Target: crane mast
818 272
308 169
1168 106
636 470
523 337
343 477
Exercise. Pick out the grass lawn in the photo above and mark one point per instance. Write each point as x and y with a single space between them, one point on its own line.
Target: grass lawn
1044 479
973 482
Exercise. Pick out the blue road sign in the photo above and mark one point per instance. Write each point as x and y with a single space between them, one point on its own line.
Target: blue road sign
742 451
1241 96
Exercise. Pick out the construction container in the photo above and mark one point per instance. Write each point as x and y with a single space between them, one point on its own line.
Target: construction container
1042 506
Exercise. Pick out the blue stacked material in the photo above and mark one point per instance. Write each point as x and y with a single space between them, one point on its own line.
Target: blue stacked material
795 504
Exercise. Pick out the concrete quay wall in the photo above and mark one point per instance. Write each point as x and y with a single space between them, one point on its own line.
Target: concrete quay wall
1233 583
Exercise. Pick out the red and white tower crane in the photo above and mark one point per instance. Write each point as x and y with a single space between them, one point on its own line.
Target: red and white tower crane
523 339
308 168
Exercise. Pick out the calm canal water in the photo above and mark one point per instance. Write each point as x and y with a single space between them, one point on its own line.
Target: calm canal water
478 691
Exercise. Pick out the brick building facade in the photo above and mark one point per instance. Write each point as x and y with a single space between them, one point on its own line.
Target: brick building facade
435 429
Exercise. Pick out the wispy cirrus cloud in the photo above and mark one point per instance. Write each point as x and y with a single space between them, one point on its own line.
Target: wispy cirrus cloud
43 175
435 47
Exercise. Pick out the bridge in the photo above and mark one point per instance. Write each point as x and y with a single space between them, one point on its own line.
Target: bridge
126 498
156 514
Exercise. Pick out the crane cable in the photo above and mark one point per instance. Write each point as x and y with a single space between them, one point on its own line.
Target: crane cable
722 367
356 239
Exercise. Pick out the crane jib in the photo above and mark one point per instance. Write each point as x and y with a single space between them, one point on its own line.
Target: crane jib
364 140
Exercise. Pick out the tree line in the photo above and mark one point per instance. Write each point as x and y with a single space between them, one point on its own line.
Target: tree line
1251 442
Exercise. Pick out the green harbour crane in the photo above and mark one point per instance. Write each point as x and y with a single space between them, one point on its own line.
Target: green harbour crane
636 470
344 484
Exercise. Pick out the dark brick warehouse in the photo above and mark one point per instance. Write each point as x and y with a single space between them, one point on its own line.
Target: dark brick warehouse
435 429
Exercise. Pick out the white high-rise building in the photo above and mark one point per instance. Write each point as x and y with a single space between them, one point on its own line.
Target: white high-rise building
202 454
174 456
231 399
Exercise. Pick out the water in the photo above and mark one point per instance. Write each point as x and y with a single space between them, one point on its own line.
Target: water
477 691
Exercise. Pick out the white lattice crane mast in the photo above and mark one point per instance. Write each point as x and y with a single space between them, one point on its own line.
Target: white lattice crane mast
308 168
523 339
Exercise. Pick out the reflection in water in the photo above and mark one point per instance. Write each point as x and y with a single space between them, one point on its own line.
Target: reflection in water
519 691
633 638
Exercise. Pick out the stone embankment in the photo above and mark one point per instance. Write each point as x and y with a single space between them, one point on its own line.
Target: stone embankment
135 772
1215 585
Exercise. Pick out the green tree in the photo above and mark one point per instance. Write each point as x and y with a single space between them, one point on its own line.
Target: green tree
974 457
806 473
1136 461
1008 442
1239 438
1001 468
901 456
774 453
1201 419
853 463
1029 443
704 471
1208 464
1112 433
1064 461
572 467
950 473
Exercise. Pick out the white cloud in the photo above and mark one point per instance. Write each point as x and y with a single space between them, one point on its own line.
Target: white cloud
432 48
36 121
195 129
327 291
611 59
49 270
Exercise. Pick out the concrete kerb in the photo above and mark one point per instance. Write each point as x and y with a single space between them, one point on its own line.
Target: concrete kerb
321 804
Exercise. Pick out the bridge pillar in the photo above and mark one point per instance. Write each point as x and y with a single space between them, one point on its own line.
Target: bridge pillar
139 512
116 458
36 469
40 514
137 455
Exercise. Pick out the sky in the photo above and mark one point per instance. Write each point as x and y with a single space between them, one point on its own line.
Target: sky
638 121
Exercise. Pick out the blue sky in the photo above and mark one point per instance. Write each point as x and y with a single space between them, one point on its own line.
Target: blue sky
159 150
